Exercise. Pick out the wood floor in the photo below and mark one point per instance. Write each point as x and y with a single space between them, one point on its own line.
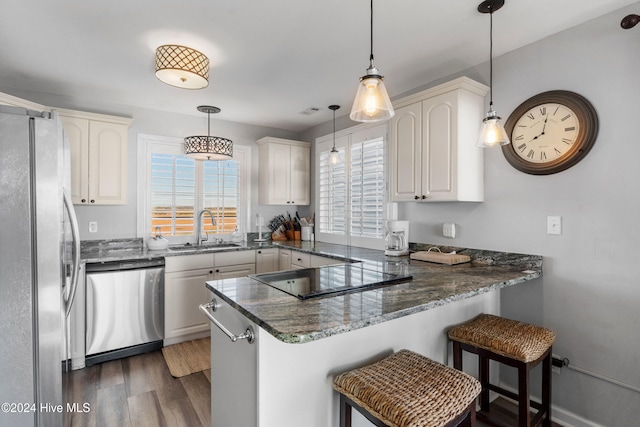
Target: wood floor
140 391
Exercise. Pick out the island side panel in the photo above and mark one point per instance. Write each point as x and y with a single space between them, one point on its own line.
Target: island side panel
234 372
295 380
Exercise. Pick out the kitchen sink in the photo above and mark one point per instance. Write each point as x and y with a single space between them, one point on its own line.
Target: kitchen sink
203 247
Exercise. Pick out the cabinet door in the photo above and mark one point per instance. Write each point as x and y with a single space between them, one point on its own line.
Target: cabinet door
107 163
279 174
438 148
284 259
77 131
406 153
300 175
231 271
267 260
184 292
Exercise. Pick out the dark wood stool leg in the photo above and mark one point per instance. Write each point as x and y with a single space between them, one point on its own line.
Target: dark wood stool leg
484 381
523 395
345 412
546 390
457 355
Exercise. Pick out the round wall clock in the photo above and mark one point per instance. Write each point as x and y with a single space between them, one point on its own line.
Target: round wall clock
550 132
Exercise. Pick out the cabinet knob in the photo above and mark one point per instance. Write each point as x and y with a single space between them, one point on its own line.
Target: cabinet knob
259 252
84 200
424 197
93 201
210 271
288 202
416 197
293 203
299 259
217 270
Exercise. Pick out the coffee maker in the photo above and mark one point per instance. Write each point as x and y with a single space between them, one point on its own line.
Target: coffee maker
396 242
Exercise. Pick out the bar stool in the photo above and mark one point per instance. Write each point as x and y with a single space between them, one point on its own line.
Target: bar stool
406 389
512 343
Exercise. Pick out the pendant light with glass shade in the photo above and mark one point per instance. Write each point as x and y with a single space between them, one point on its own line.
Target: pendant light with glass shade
492 132
334 156
208 147
372 103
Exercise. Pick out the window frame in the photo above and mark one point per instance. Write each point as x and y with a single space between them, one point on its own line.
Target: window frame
146 146
344 139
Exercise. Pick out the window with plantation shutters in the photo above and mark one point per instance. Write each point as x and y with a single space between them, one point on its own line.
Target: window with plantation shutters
351 195
178 187
367 188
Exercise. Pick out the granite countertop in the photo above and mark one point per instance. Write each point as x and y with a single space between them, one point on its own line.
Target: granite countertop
298 321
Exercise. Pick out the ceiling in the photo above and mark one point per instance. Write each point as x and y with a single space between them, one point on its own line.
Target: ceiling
270 59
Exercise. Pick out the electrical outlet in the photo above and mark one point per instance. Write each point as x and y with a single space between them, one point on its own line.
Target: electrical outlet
554 225
449 230
93 226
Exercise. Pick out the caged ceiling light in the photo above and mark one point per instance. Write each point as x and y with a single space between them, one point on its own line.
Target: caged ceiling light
208 147
334 156
492 132
182 67
372 103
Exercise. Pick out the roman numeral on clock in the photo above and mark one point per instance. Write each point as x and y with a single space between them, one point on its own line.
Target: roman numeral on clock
570 129
531 154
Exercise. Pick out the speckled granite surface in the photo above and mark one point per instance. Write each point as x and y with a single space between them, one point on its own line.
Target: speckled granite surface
295 321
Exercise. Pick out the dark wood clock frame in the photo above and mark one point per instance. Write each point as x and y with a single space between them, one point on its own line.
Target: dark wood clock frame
587 134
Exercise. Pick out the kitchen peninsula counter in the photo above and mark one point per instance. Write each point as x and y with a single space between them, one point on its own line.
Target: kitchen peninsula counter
284 376
433 285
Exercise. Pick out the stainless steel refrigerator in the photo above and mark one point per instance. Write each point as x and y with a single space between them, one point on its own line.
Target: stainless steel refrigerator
39 260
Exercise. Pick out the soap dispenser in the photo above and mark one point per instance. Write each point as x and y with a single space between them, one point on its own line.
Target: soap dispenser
236 237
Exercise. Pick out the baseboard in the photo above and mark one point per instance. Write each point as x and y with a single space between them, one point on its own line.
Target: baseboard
559 415
188 337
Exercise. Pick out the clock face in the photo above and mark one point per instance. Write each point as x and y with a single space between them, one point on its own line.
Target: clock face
545 132
550 132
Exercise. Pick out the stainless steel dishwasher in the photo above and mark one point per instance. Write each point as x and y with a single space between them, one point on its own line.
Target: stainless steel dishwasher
124 309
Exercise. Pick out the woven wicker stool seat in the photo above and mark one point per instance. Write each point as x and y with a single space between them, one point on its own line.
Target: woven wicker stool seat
407 389
513 343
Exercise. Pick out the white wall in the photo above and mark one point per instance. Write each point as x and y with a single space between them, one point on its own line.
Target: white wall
590 292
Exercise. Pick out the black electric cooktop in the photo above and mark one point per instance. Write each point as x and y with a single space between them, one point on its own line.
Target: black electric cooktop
328 281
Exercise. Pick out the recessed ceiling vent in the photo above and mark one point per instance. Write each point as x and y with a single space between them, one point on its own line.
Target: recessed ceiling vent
309 111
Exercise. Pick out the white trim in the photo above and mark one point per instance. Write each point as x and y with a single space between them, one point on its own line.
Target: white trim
94 116
6 99
144 180
459 83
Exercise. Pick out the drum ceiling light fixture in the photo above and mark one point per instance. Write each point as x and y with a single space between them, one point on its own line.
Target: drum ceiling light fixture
208 147
182 67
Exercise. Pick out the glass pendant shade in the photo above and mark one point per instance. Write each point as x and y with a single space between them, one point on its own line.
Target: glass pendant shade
334 155
208 147
492 133
372 103
182 67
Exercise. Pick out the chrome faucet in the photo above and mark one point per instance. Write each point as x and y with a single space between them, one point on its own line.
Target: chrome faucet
199 238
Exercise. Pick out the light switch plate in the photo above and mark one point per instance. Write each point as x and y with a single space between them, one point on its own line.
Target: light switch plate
449 230
554 225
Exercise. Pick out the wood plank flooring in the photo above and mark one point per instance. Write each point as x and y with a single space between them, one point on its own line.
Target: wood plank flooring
140 391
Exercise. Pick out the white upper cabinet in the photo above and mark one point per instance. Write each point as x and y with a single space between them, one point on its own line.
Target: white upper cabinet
98 151
284 170
433 153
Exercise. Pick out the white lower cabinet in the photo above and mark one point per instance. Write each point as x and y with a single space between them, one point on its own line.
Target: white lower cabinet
284 259
185 290
300 260
267 260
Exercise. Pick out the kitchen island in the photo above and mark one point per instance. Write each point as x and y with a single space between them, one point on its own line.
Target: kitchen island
284 377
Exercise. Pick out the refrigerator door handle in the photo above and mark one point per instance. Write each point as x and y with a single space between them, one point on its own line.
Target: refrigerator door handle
73 221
